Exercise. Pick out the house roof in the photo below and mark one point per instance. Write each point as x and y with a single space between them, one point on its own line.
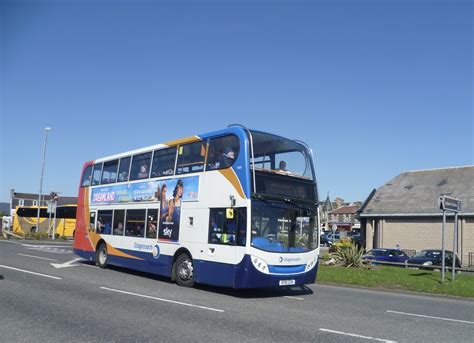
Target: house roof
417 192
351 209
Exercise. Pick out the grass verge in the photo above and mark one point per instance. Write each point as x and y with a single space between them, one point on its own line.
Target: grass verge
399 278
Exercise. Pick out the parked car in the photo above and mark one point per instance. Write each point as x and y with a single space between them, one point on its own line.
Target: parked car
328 238
433 258
386 255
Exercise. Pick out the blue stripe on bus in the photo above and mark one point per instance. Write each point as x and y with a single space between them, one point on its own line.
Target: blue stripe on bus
286 269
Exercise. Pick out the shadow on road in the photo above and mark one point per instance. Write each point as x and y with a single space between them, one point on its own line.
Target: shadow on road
258 292
237 293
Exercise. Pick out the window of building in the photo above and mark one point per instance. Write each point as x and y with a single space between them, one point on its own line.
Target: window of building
140 166
86 177
228 226
191 157
163 162
96 174
123 169
35 202
135 224
109 172
223 151
21 202
152 223
104 222
119 217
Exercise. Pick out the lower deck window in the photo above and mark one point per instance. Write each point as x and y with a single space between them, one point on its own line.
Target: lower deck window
228 226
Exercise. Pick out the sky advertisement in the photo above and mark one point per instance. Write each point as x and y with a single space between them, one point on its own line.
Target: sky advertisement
169 193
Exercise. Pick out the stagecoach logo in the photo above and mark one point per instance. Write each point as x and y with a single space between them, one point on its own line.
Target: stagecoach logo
156 251
289 259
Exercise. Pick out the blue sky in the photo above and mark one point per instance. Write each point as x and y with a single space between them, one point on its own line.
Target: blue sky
375 87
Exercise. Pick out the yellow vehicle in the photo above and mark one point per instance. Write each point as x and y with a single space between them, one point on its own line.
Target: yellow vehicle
25 220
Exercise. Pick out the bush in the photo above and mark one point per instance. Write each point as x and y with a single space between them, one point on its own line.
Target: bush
348 256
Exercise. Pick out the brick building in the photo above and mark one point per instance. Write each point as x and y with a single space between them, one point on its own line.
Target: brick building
405 211
345 217
31 199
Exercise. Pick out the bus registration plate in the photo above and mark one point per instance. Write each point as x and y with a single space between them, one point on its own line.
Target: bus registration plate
287 282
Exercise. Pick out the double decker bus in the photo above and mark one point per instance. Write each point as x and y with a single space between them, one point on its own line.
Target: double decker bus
234 208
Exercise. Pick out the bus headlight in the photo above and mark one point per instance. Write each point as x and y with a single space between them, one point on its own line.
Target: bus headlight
259 264
312 263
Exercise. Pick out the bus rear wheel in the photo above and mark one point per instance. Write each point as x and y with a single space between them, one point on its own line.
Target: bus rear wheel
184 270
101 256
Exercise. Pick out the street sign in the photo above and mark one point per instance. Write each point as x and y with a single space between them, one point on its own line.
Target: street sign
51 207
449 204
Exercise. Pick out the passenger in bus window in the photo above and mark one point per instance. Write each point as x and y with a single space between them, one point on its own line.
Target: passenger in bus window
227 158
143 173
106 229
119 229
282 166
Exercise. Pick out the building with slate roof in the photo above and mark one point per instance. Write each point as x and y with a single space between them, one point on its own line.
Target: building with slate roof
405 211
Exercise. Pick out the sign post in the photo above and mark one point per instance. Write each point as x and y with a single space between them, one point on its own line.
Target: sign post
453 205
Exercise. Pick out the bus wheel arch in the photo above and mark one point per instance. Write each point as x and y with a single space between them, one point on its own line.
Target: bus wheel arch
183 268
101 255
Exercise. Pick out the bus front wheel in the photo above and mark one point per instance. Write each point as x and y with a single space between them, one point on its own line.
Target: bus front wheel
184 270
101 256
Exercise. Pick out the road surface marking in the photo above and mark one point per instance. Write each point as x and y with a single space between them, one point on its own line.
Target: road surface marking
295 298
40 258
431 317
359 336
161 299
89 265
27 271
66 264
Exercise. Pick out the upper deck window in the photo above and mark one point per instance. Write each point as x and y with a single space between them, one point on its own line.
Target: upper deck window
163 162
140 166
223 151
191 157
275 154
109 172
86 177
124 169
96 174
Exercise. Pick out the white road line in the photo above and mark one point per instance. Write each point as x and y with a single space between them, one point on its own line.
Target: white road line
40 258
295 298
27 271
161 299
359 336
431 317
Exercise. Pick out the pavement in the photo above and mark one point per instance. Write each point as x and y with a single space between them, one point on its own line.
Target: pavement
49 294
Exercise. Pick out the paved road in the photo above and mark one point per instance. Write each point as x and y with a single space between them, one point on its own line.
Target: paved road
86 303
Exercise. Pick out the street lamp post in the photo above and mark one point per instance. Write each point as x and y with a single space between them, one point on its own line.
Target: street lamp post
46 129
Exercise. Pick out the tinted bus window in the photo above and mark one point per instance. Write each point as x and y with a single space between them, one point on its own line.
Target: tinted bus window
223 151
86 178
135 223
152 223
96 174
163 162
109 172
119 217
124 168
140 166
191 158
104 222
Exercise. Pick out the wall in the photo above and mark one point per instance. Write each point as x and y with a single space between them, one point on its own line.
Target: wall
418 233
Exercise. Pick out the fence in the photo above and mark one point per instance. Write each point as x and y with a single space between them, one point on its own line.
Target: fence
471 259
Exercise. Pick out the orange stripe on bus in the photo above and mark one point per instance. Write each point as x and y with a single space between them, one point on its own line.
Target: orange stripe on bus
183 141
230 175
